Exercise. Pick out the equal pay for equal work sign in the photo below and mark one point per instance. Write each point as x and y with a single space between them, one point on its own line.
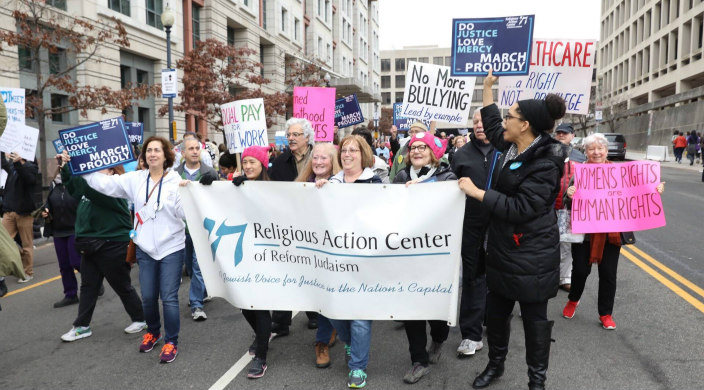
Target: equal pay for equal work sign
97 146
245 124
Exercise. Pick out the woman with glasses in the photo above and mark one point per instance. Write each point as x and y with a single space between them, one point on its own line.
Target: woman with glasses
523 262
357 160
424 153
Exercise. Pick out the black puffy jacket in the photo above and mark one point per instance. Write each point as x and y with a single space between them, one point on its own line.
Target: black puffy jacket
523 261
22 180
62 208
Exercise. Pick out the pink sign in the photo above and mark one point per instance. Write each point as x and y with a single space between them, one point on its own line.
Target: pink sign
617 197
318 106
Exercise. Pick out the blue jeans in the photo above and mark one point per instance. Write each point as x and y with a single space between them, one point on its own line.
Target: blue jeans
161 278
324 331
197 290
358 335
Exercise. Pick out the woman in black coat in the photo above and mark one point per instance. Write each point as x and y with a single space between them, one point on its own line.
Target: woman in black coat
523 259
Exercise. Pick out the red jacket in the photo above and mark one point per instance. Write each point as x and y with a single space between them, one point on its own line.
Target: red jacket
680 142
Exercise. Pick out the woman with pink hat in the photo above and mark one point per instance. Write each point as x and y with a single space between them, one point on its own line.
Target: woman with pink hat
423 166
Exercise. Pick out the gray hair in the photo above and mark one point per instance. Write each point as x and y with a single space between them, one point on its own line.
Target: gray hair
478 110
593 138
306 126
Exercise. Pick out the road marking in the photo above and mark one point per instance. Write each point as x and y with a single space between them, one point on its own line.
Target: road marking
668 283
32 286
232 373
669 271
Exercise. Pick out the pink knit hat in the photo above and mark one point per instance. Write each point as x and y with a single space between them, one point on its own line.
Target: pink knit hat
261 153
432 141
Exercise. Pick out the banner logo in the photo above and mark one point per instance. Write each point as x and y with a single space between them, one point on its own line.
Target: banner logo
225 230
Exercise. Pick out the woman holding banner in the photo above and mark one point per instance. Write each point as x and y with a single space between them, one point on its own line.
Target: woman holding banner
357 160
600 248
523 262
424 154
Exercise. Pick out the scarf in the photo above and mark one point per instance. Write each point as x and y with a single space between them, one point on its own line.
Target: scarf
598 241
423 174
512 153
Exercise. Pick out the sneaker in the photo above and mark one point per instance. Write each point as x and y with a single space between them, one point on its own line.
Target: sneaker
278 330
253 348
207 299
416 372
469 347
434 352
570 308
67 301
149 341
257 368
322 355
136 327
607 322
356 379
348 353
25 279
3 288
77 333
198 314
168 353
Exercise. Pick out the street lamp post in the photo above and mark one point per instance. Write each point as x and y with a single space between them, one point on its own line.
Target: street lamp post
167 20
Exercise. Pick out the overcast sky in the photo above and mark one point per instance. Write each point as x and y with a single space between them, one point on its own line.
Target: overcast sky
429 22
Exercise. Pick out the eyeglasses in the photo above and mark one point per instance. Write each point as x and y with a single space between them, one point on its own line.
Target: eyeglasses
419 148
349 151
509 116
294 135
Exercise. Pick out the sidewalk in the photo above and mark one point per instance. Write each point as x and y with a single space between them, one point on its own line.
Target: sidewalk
670 162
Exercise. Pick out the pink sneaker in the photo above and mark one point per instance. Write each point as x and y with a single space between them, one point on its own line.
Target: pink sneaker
570 308
607 322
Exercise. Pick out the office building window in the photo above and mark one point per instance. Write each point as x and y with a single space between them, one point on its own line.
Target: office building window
25 58
59 102
296 28
400 81
230 36
385 65
60 4
57 61
385 81
386 98
448 60
438 60
121 6
400 64
195 23
154 8
399 97
284 20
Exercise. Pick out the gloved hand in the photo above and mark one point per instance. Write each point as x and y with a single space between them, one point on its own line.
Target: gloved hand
237 180
207 179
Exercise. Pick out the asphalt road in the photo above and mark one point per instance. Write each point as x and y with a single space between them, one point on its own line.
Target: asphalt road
658 343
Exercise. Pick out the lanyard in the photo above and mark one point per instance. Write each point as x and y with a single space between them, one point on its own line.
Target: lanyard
149 194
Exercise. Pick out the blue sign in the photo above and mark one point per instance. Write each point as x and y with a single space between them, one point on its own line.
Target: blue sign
404 123
502 44
135 132
97 146
58 146
348 112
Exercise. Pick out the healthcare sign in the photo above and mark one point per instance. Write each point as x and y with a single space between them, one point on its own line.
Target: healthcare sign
245 124
318 106
286 248
560 66
347 112
502 44
97 146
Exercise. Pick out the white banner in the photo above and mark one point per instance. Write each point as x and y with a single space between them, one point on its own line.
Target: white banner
432 94
560 66
14 103
21 139
244 122
169 83
348 251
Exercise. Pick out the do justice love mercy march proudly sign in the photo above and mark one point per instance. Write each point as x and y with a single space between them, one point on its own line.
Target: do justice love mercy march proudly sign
287 247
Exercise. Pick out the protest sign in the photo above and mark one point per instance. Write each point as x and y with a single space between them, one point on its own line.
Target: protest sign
617 197
14 104
58 146
20 139
318 106
559 66
245 124
135 132
502 44
348 112
433 95
97 146
280 138
288 247
169 83
403 123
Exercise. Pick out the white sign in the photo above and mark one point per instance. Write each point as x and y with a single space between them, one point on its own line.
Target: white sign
20 139
289 246
597 115
14 103
244 122
432 94
169 83
560 66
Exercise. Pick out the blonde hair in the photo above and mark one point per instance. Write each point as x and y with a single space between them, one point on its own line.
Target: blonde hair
307 170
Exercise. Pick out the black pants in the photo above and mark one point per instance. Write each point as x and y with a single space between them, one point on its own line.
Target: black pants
260 321
499 306
607 274
473 298
283 318
418 339
108 263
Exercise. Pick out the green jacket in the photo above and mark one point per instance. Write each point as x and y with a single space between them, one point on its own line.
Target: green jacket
98 215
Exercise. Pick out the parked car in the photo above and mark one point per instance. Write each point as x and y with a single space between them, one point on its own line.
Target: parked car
617 146
577 143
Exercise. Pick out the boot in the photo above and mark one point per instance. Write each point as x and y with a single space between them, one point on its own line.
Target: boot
537 352
498 331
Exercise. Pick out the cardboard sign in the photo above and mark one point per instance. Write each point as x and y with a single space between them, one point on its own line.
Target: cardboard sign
20 139
245 124
97 146
318 106
14 104
58 146
617 197
502 44
403 123
348 112
135 132
432 94
169 83
559 66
